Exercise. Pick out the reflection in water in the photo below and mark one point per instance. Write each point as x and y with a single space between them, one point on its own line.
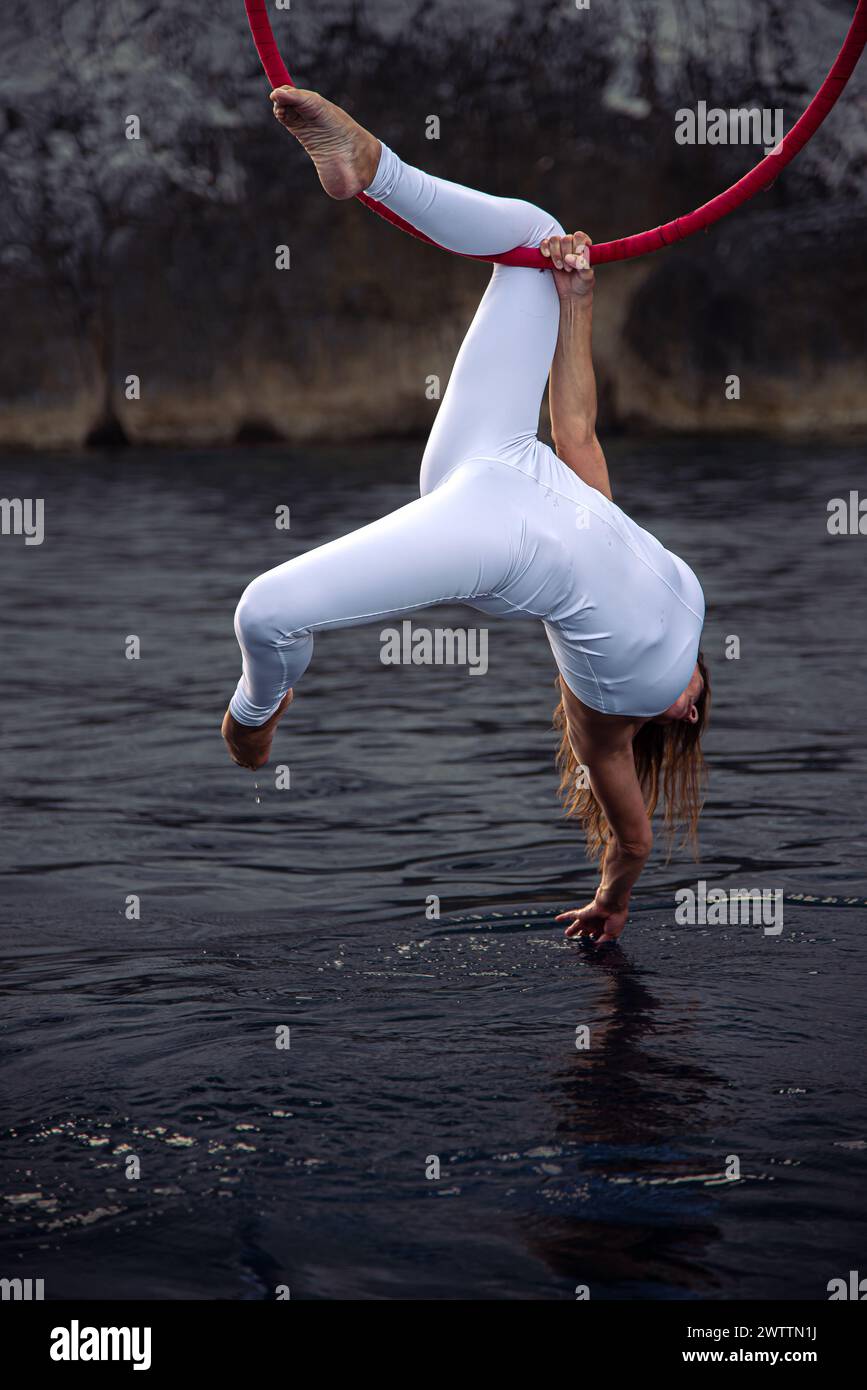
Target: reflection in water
623 1109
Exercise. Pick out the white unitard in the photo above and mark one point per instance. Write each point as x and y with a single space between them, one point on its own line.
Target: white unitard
501 524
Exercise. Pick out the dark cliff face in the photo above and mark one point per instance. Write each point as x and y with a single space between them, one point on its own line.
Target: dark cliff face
155 258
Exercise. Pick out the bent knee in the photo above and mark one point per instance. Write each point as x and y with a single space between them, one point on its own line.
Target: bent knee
260 618
546 226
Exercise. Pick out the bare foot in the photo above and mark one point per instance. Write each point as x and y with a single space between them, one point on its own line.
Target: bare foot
345 154
251 747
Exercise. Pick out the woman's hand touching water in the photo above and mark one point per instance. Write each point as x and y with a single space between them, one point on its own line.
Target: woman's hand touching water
597 922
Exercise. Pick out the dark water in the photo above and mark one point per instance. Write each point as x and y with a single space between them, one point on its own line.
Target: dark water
306 907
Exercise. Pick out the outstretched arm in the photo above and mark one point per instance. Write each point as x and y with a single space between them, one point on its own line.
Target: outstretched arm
602 745
572 394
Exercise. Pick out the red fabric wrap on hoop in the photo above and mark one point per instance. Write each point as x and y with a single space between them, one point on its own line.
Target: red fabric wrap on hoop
641 243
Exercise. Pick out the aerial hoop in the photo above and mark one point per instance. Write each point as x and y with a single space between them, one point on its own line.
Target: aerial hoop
641 243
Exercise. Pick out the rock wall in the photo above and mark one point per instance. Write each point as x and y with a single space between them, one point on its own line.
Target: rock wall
155 258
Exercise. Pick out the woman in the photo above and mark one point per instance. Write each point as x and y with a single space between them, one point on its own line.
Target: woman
507 526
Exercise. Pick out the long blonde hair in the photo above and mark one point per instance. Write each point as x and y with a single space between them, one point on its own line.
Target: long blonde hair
668 761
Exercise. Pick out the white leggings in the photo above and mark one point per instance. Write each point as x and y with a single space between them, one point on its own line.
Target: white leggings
501 523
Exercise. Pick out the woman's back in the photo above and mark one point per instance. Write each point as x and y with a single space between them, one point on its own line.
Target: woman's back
623 615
